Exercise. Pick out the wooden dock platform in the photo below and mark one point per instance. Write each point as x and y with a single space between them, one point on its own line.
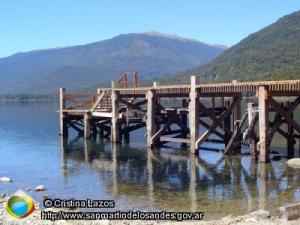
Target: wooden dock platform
175 113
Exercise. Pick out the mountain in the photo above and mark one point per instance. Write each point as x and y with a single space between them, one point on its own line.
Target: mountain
78 67
272 53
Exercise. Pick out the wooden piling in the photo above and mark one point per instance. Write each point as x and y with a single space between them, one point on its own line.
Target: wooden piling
252 144
290 136
150 117
115 135
263 108
62 116
237 117
87 125
227 123
193 115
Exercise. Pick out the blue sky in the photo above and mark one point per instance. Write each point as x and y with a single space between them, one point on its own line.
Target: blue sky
38 24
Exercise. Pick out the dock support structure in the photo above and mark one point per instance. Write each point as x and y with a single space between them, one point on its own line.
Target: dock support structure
194 116
62 116
290 136
151 103
87 125
251 125
263 108
235 125
115 128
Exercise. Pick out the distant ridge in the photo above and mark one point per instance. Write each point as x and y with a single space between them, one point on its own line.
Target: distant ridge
79 67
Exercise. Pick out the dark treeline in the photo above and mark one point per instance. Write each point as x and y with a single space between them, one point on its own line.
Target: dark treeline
28 98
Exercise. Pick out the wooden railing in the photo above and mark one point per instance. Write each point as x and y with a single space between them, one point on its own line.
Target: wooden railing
128 80
79 101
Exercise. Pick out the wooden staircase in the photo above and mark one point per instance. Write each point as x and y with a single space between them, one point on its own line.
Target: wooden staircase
103 101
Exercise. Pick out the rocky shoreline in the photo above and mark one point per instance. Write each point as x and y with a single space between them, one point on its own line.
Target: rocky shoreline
257 217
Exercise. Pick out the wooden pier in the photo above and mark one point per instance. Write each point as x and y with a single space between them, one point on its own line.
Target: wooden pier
177 113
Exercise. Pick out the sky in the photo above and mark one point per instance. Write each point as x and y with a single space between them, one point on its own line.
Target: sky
39 24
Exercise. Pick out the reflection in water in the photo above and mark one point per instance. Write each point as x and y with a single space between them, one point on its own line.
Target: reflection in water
114 168
168 180
136 177
150 176
192 188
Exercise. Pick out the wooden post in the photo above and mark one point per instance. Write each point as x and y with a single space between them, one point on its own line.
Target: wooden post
193 115
115 137
62 115
150 117
263 109
227 123
252 145
290 137
135 79
87 125
236 117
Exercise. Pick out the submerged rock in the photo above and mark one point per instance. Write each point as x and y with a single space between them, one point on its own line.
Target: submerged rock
40 188
2 196
103 165
260 214
5 179
295 163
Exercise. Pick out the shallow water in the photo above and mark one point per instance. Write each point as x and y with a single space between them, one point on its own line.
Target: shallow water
32 153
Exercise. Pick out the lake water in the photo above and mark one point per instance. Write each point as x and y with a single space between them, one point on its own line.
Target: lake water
33 153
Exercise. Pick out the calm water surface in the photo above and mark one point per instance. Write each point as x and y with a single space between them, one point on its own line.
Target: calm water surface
33 153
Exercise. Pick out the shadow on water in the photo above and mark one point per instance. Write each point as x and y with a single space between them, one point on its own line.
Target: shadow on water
210 182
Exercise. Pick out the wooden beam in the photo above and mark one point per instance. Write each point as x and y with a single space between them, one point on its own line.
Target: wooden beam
172 139
87 125
290 138
205 125
193 115
275 126
151 99
238 125
115 137
234 144
133 105
210 113
217 122
162 130
99 98
263 110
80 131
284 113
252 120
62 116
